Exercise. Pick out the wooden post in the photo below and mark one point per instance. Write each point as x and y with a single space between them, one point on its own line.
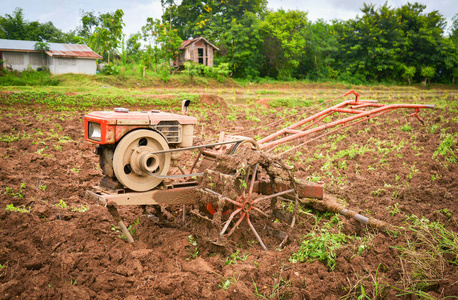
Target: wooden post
144 69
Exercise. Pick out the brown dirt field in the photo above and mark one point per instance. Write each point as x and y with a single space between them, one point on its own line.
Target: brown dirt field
62 253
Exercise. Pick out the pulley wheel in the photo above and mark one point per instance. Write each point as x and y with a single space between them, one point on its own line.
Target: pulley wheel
133 159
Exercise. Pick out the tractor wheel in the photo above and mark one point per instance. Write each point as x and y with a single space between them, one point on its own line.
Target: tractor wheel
133 160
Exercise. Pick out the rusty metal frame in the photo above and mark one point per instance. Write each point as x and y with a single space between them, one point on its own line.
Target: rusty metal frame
357 107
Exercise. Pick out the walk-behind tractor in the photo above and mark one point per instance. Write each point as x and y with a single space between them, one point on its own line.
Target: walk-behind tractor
235 179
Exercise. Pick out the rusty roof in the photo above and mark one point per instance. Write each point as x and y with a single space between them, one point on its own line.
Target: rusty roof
189 42
55 49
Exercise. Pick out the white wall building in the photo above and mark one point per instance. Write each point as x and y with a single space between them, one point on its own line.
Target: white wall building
59 59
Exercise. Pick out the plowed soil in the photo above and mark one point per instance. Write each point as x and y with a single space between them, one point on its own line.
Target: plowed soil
67 247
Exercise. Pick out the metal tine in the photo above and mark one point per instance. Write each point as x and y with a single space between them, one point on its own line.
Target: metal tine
223 197
256 233
272 196
260 211
237 224
253 177
229 221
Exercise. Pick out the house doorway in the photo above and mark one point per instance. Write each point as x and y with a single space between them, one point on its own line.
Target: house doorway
200 55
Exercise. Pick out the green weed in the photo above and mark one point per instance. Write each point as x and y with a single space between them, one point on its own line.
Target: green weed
193 251
21 209
446 148
236 256
82 208
320 247
10 191
226 282
61 204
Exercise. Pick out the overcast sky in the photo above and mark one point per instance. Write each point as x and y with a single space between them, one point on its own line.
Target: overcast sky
65 14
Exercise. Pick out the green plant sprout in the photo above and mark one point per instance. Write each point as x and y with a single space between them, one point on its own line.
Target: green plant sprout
20 209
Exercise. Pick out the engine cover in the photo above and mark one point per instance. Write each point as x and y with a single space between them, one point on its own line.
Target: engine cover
108 127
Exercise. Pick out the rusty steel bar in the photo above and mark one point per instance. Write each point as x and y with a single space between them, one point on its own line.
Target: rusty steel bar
328 133
269 142
315 116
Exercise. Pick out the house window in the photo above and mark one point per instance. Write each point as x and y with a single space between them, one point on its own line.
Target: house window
201 55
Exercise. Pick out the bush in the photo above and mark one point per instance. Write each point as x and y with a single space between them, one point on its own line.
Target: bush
220 72
111 69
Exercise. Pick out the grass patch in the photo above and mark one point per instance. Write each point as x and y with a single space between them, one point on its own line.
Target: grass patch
428 248
28 78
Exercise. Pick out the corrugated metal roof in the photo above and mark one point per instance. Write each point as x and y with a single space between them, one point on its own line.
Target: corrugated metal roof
55 49
186 43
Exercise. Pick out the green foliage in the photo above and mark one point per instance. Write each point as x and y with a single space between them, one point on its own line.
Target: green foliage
194 69
446 148
429 247
320 247
81 209
409 72
103 33
111 69
382 45
16 27
61 204
428 72
165 38
41 46
193 250
226 282
406 128
19 194
60 101
243 44
234 257
284 39
132 229
21 209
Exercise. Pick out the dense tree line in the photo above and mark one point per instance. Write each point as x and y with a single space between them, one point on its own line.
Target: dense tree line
384 44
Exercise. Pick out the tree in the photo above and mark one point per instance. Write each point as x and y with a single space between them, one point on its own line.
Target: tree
89 22
133 46
372 44
427 72
455 74
107 33
409 72
208 18
425 44
15 27
241 46
320 52
284 40
166 40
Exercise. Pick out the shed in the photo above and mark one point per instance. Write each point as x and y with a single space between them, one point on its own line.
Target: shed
59 59
198 50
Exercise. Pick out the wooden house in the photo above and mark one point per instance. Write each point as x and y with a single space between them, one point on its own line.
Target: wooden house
198 50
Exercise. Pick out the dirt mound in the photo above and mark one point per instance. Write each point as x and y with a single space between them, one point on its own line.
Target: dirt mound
213 100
